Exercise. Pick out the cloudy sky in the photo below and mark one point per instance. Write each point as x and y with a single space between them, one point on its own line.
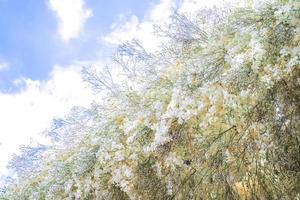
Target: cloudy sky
43 45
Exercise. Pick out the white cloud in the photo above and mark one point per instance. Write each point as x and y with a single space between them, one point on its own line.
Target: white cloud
26 114
3 65
191 6
132 27
72 15
124 32
161 11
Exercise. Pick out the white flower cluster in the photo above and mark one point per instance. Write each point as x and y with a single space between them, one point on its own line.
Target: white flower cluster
201 102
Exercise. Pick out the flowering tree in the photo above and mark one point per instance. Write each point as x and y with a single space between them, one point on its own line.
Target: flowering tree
213 115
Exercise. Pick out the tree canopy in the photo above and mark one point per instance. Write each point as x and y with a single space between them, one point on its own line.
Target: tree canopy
213 114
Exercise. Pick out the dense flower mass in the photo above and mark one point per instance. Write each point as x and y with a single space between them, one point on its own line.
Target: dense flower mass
213 115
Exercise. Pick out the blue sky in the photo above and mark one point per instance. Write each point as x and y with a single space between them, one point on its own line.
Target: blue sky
29 42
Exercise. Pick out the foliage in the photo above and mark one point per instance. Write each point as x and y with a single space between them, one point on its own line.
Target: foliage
213 115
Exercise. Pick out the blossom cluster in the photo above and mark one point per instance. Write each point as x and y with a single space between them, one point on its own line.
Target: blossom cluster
201 124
